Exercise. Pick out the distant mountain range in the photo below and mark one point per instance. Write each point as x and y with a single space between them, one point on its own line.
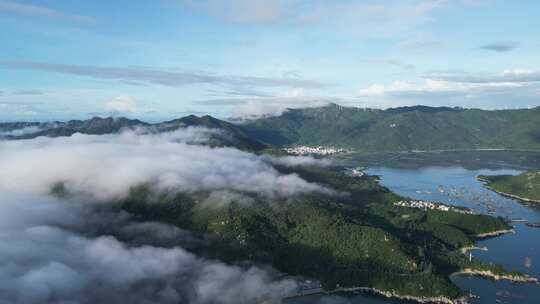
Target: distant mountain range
233 135
366 130
401 129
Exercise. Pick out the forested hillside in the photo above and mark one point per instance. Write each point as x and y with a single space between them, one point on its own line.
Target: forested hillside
357 238
401 129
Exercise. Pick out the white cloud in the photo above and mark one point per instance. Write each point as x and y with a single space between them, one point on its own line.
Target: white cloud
122 104
31 10
254 109
507 77
274 106
49 253
105 167
368 17
511 88
402 87
82 250
21 131
243 11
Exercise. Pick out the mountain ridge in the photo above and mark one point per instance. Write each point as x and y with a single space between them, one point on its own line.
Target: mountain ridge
401 129
233 135
361 129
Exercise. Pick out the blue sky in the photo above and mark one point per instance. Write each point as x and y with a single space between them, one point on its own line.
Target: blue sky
166 58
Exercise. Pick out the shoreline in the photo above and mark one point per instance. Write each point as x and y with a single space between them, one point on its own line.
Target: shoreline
496 277
519 198
393 295
466 249
494 233
426 299
486 274
386 294
508 195
440 299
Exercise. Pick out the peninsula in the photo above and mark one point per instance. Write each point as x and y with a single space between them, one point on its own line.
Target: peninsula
524 187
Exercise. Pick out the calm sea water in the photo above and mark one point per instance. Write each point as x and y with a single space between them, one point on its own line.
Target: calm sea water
456 185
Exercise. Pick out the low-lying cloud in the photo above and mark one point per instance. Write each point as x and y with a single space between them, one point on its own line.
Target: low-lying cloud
21 131
106 167
82 250
48 254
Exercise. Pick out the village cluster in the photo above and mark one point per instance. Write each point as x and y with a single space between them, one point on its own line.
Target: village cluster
430 205
319 150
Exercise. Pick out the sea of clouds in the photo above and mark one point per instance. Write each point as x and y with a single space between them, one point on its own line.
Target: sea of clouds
105 167
76 250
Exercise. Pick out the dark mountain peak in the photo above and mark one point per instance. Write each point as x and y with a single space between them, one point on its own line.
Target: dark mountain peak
232 135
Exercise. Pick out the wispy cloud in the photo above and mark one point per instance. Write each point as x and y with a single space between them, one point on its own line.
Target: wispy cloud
511 76
28 92
163 77
369 16
516 87
421 41
389 62
31 10
126 105
500 46
244 11
249 108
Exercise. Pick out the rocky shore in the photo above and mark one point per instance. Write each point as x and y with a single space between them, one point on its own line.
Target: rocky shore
394 295
497 277
494 233
466 249
519 198
441 299
513 196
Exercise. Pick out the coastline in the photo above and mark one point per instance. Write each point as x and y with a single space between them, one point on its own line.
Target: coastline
394 295
387 294
494 233
441 299
496 277
519 198
466 249
513 196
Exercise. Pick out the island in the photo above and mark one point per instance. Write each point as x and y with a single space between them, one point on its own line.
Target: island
524 187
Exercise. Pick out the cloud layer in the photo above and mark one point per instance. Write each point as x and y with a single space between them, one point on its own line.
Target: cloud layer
48 254
135 75
80 250
105 167
510 88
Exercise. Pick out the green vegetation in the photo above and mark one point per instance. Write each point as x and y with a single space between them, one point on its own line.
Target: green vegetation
356 237
525 186
364 130
401 129
234 136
